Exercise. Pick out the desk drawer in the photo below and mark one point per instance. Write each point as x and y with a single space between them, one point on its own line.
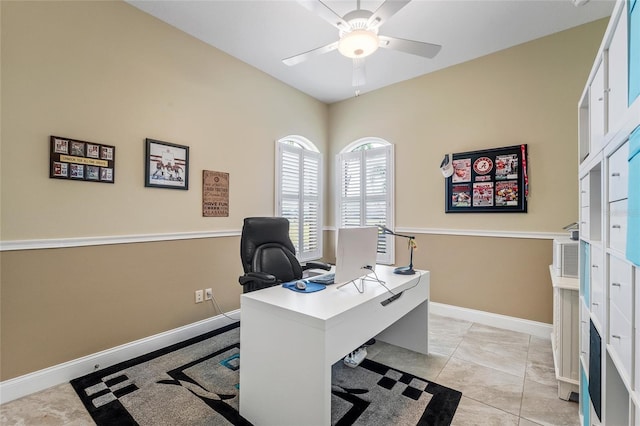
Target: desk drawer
620 286
619 173
618 225
620 341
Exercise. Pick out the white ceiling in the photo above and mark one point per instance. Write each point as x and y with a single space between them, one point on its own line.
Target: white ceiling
263 32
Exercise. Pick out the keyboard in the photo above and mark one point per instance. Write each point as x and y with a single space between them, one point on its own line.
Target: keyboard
323 279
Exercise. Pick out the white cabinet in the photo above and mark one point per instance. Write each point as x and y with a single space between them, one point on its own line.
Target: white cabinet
637 338
617 67
618 225
597 288
621 286
620 342
619 173
564 339
584 335
597 110
609 295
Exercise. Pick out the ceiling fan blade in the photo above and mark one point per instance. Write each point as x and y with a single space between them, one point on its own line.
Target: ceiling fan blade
418 48
323 11
385 11
294 60
359 77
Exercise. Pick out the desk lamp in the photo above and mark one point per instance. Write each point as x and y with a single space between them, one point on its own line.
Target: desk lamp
403 270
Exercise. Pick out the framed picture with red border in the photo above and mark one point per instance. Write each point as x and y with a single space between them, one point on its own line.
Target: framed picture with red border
488 181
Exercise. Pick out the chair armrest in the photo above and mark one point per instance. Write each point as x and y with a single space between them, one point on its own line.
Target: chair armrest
262 277
313 264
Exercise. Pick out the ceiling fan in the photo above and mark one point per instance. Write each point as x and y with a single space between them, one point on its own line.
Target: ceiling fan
358 35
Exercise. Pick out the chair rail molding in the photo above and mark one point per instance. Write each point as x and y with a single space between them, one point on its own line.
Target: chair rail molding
107 240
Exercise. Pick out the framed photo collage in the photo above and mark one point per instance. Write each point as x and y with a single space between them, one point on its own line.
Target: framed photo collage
491 180
80 160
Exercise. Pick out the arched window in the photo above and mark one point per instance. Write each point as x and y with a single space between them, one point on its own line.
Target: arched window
365 193
299 192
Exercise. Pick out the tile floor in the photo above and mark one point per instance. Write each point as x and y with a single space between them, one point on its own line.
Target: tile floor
506 378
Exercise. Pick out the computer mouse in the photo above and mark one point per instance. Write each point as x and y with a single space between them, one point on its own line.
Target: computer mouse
301 285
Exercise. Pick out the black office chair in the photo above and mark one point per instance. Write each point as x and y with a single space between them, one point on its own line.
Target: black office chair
267 254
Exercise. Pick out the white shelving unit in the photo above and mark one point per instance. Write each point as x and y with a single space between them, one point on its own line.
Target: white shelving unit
564 339
609 297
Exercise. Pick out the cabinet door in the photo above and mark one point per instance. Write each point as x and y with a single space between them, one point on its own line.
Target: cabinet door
637 331
634 50
620 341
621 286
596 111
617 81
597 286
584 334
618 225
584 191
619 173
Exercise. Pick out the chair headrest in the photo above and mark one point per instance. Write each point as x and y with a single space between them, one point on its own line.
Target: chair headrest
257 231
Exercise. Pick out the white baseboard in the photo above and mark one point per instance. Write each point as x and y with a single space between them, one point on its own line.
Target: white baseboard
538 329
39 380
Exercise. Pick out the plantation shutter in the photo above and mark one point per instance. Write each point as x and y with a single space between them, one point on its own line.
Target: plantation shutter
366 193
298 189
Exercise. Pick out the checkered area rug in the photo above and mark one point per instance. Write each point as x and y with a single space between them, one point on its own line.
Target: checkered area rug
196 383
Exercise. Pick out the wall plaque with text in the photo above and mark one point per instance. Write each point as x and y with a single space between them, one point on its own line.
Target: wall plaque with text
215 194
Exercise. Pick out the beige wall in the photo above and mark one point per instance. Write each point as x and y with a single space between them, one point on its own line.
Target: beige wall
62 304
109 73
523 95
106 72
526 94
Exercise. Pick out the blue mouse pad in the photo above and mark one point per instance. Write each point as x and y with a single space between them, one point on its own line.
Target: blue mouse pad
311 287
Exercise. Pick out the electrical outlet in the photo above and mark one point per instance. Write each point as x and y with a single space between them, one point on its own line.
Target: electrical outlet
208 294
199 296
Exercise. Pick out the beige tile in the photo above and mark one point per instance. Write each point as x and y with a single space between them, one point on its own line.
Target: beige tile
471 412
540 351
540 404
499 335
424 366
487 385
525 422
540 367
480 353
445 334
491 347
440 325
58 405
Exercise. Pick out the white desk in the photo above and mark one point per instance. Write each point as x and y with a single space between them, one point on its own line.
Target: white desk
290 340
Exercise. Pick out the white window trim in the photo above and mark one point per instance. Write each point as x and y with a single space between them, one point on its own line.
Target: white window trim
309 150
389 256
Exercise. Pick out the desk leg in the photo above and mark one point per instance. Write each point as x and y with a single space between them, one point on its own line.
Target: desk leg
411 331
285 377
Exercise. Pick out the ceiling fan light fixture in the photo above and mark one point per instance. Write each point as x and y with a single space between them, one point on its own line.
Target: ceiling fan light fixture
358 44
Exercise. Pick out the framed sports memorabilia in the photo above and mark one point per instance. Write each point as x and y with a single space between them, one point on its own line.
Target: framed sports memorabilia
74 159
166 165
488 181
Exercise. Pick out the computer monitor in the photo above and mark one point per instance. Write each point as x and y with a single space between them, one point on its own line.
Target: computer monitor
357 248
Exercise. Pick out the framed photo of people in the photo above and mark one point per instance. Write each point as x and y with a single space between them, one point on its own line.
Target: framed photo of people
166 165
74 159
488 181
